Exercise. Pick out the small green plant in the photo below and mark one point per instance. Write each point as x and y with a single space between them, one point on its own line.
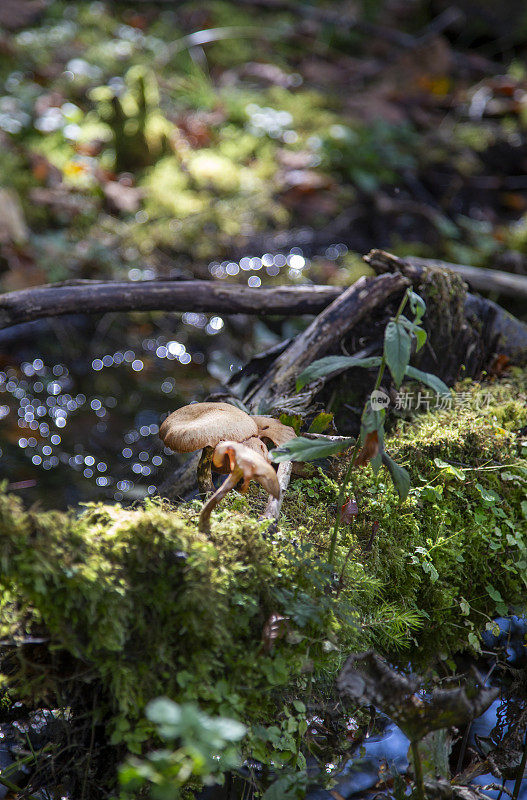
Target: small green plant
369 447
199 749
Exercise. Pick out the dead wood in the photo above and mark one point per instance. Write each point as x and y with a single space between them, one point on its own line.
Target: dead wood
277 388
482 280
96 297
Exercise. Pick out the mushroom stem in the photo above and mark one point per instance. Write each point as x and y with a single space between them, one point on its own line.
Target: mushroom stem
204 472
229 483
274 505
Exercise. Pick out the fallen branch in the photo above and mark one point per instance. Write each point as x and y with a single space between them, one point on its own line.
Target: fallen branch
501 331
95 297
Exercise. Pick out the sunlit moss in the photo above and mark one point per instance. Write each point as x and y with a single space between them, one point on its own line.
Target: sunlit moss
168 190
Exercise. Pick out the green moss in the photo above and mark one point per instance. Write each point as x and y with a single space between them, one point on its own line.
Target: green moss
141 604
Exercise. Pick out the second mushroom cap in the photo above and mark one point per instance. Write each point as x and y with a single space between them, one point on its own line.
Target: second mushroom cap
273 429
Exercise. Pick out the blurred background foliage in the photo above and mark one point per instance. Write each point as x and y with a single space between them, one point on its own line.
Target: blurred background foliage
254 142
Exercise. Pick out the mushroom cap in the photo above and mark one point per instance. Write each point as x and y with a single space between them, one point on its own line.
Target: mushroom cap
253 466
273 429
201 425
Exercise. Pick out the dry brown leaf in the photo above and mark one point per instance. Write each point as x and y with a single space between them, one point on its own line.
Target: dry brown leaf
369 450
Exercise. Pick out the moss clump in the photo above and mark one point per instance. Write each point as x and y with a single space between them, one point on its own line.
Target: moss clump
137 603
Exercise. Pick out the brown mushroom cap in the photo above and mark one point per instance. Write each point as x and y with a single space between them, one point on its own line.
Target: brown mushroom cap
252 465
201 425
273 429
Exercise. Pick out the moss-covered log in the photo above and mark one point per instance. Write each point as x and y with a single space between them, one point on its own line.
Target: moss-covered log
104 610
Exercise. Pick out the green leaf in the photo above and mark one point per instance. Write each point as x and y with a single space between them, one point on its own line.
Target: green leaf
397 347
302 449
288 787
431 493
417 304
293 420
429 568
487 494
325 366
493 593
420 335
399 475
230 730
414 330
428 379
371 421
376 462
163 711
321 422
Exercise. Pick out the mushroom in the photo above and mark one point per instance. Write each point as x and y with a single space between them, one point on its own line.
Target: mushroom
201 426
245 464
